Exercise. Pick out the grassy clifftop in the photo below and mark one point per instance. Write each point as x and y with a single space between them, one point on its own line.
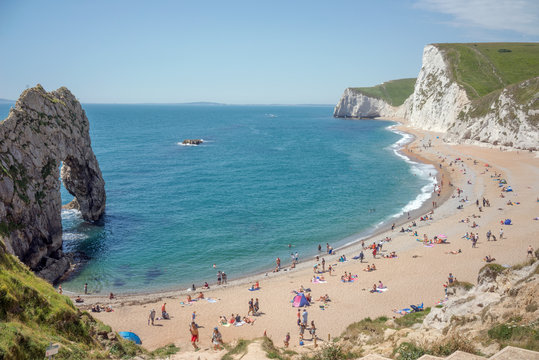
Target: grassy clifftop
33 314
394 92
485 67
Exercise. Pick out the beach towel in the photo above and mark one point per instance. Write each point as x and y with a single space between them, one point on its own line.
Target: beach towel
253 289
225 325
402 311
239 323
382 289
429 245
317 281
210 300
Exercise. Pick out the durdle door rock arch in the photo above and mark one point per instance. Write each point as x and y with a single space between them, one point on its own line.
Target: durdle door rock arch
41 131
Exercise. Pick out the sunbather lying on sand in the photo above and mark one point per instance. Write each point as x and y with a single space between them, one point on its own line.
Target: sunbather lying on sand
454 252
324 298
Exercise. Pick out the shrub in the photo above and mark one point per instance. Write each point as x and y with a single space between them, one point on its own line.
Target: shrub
409 351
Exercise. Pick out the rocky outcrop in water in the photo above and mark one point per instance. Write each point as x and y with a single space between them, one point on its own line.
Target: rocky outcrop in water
43 131
192 141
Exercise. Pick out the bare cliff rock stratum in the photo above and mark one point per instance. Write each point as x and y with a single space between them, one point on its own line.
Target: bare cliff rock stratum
43 131
495 109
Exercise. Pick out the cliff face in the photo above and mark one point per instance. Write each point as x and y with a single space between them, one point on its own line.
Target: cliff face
42 131
357 105
508 117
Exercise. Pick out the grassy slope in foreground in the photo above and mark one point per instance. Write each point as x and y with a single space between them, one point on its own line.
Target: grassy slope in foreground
394 92
33 314
485 67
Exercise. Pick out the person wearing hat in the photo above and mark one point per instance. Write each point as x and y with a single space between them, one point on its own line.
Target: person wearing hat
216 339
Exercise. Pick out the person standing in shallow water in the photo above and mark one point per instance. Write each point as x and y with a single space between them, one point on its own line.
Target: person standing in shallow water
86 288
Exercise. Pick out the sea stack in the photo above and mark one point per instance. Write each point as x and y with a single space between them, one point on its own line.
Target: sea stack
43 130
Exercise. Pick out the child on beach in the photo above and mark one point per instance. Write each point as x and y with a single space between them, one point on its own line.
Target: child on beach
287 337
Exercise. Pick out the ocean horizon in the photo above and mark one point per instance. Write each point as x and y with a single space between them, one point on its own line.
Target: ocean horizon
268 181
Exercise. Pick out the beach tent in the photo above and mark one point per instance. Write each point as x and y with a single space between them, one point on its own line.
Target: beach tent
300 300
507 222
130 336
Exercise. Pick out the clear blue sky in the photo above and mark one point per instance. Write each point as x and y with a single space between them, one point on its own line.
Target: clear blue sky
241 52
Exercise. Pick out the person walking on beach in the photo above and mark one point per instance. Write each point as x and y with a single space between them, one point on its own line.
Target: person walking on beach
530 251
251 307
151 317
329 269
256 307
216 339
304 316
501 234
489 233
361 256
194 335
312 330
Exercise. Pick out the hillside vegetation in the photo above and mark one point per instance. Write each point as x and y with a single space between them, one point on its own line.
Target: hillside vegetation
482 68
394 92
33 314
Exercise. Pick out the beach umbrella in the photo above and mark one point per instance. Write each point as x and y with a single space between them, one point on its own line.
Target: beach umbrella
130 336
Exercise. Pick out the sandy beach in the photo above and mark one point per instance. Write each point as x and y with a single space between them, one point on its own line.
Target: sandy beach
415 276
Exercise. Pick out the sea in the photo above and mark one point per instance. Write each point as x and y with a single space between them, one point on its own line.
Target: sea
267 182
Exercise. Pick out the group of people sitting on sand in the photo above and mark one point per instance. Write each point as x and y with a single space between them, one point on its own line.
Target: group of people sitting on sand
370 268
391 255
377 287
348 277
98 308
342 258
236 320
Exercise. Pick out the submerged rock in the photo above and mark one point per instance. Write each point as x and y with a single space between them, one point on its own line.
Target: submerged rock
42 131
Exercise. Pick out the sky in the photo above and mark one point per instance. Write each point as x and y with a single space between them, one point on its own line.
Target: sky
237 52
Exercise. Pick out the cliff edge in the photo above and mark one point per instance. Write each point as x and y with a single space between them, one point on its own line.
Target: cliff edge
474 93
43 130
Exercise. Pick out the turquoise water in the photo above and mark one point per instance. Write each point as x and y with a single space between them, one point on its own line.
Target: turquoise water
265 177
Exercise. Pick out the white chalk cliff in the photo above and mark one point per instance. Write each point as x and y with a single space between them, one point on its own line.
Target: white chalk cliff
440 104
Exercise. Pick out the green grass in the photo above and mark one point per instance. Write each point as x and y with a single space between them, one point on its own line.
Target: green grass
239 348
33 314
393 92
412 318
375 328
165 351
523 336
463 284
481 68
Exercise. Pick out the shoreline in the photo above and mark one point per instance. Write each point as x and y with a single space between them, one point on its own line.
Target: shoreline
415 276
354 240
